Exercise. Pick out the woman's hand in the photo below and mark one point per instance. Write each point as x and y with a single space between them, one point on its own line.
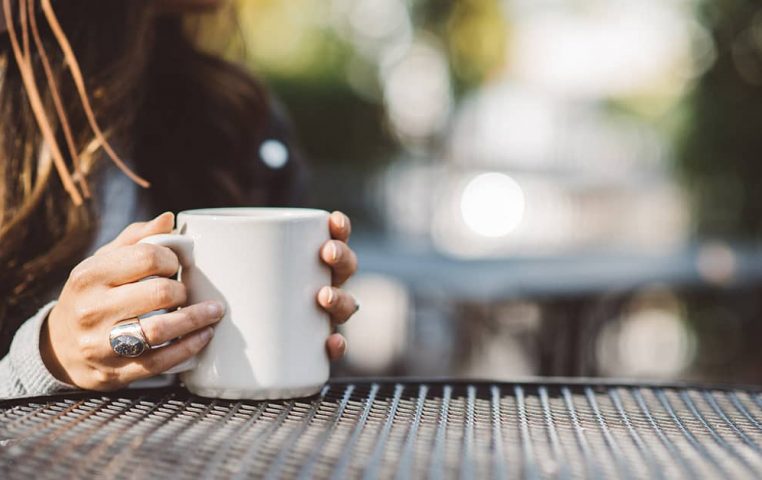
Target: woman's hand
104 289
343 262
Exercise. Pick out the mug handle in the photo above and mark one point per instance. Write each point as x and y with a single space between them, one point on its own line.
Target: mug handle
180 244
183 248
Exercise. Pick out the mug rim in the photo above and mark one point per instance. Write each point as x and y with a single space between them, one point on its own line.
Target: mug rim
248 214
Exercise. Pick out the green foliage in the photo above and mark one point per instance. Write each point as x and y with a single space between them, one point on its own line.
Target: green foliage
474 33
334 124
720 155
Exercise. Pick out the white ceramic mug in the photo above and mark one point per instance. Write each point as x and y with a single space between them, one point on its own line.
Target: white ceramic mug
263 264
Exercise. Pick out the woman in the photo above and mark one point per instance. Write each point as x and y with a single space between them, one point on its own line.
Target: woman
155 111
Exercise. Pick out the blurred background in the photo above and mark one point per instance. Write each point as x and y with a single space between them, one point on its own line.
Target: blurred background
538 187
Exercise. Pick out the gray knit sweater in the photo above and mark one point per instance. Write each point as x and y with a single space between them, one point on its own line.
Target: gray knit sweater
22 371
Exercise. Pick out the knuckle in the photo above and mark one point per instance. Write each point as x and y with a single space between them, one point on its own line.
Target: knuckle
168 292
88 350
147 257
188 319
105 378
162 292
133 228
80 276
194 317
154 331
86 314
153 365
193 346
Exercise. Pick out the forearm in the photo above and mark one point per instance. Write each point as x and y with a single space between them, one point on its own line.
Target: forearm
22 371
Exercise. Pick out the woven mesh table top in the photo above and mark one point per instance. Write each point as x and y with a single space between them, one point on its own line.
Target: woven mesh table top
390 430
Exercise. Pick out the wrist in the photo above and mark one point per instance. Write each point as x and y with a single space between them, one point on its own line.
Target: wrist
50 357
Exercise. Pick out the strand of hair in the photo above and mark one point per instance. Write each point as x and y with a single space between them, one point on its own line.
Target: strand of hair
44 166
24 30
57 102
79 82
27 76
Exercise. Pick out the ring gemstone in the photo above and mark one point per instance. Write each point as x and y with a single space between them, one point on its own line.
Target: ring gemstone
127 346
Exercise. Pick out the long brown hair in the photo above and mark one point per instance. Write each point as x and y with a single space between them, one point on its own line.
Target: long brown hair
187 119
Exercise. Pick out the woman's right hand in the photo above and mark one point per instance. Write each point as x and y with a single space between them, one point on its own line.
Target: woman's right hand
104 290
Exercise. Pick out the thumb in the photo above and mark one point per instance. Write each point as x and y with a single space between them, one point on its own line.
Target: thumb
139 230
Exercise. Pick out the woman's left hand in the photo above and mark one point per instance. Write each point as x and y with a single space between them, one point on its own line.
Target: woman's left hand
343 262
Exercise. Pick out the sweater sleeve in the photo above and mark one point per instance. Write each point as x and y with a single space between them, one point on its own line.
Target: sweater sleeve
22 371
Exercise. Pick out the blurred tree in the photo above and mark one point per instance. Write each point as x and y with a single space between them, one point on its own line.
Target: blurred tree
475 32
719 163
720 155
476 36
296 49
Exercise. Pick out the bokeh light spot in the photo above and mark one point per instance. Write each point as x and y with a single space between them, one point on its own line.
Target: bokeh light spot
492 204
273 153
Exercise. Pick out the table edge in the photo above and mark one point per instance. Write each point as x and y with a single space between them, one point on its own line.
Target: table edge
575 382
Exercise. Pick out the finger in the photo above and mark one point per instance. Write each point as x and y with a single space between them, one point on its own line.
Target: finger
124 265
336 345
127 264
338 303
163 328
135 299
341 259
138 231
340 226
162 359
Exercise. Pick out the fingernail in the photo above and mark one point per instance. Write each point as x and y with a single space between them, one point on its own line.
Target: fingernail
333 251
326 295
341 220
342 346
206 334
215 309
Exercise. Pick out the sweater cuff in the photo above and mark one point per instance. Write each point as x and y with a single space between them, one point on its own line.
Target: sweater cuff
25 358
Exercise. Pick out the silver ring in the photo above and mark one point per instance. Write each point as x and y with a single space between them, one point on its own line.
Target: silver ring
128 340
